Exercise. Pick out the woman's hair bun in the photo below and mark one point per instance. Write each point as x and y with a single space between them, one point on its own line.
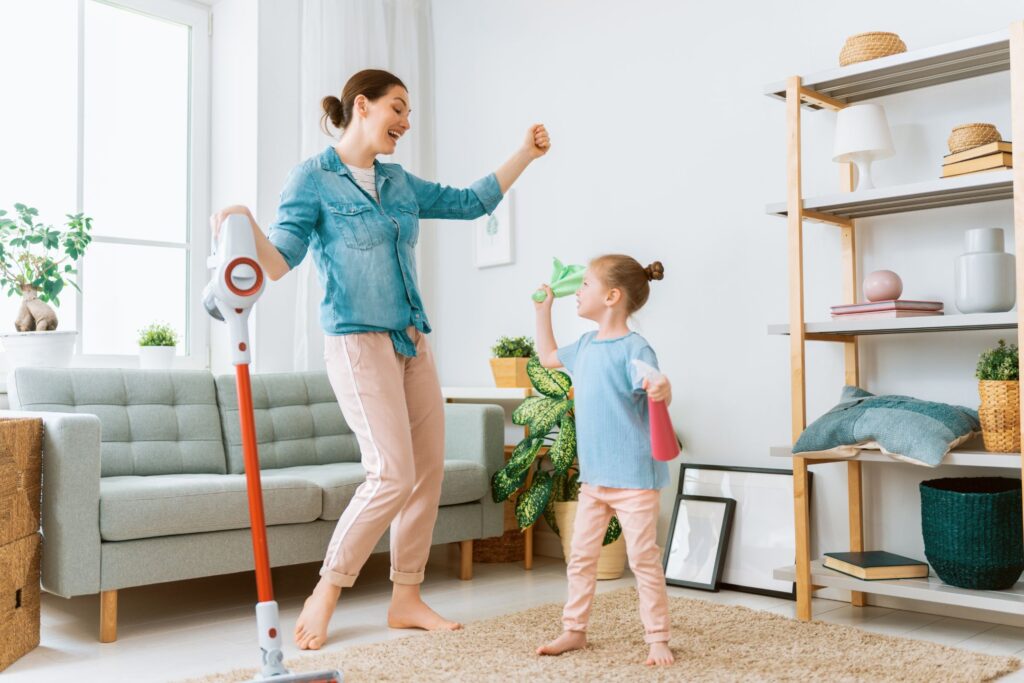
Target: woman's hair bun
655 271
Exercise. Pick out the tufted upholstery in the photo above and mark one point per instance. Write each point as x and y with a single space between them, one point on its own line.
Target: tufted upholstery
153 422
298 421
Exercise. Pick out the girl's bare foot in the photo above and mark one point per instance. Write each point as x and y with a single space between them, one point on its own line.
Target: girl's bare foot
408 610
569 640
311 626
659 655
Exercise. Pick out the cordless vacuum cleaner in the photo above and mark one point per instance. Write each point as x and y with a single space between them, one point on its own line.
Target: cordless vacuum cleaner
230 295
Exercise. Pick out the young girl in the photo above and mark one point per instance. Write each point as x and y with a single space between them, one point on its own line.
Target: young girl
617 472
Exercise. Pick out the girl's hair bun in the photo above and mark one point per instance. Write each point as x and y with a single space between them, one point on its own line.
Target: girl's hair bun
655 271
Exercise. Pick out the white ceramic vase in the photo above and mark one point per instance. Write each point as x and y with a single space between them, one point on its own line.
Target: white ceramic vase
985 275
157 357
50 349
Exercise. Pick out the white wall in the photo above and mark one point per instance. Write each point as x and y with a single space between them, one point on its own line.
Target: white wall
665 148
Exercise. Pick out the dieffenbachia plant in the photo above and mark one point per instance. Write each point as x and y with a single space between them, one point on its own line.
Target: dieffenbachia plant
551 457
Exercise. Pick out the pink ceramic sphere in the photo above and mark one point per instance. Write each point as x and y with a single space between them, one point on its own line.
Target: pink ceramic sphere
882 285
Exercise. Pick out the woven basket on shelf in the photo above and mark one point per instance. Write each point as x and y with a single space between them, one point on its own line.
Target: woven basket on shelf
872 45
972 135
999 415
972 530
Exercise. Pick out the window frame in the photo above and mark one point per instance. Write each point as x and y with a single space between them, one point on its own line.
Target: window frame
197 343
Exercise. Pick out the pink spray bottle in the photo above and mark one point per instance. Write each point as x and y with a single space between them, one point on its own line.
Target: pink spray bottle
664 444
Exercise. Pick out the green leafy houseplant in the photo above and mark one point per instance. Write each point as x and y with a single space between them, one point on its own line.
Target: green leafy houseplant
555 470
513 347
998 364
36 261
158 334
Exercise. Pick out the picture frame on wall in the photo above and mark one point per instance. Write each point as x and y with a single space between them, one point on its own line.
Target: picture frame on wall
763 536
493 236
698 540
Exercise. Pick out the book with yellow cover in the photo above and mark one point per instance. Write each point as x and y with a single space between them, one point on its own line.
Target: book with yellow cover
876 564
985 163
979 151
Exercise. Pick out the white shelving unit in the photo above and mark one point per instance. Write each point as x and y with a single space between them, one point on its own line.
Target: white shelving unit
833 90
966 457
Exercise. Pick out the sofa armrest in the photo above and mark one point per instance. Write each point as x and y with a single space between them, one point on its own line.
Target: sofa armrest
71 501
477 433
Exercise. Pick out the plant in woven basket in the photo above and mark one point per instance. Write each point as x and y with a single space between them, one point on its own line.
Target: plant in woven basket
513 347
999 388
548 450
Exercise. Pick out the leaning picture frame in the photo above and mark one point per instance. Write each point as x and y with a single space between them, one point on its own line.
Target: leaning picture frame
763 536
698 539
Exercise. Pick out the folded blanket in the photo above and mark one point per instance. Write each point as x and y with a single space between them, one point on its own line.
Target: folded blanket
907 428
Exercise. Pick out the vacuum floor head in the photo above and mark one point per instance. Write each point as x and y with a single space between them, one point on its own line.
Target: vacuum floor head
308 677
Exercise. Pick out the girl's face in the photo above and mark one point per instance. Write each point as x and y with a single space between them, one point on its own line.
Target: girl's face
593 298
386 119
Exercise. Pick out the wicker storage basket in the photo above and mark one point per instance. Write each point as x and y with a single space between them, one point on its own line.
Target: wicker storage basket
511 545
1000 415
21 445
972 135
864 46
972 530
19 598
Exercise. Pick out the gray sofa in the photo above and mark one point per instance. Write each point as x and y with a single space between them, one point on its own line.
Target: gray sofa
143 477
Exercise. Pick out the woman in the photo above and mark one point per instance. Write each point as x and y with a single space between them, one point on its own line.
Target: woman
360 218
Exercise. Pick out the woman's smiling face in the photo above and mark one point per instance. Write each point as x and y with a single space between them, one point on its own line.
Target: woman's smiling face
386 119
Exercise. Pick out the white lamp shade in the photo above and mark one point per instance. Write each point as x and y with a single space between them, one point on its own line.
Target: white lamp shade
862 134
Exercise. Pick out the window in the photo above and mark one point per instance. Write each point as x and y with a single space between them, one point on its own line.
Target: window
113 121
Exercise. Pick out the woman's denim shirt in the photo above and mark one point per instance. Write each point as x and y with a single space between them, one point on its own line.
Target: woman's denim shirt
365 251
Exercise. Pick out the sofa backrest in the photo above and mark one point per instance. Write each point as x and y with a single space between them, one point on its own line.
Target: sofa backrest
152 421
298 421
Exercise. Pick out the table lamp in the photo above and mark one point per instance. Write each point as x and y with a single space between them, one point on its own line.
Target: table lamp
862 136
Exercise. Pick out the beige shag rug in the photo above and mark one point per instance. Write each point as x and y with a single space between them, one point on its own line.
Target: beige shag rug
711 642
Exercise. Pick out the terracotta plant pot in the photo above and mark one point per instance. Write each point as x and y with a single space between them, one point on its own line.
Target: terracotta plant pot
999 415
611 563
510 372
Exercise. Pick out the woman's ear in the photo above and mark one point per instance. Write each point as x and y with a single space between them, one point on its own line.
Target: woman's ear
359 105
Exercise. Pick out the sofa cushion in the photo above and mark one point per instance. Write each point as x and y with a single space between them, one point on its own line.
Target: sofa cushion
168 505
464 482
153 422
298 421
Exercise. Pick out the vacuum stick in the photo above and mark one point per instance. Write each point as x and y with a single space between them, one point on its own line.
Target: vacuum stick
236 284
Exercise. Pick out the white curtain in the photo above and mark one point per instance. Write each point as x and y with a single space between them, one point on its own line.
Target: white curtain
339 38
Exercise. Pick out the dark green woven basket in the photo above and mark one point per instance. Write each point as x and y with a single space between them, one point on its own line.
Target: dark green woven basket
972 528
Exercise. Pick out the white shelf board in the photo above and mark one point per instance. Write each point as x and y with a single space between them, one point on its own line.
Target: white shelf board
931 589
910 70
970 456
970 188
487 393
924 323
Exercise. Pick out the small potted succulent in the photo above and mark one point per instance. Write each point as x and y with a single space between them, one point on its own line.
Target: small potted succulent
547 458
37 262
509 362
158 345
999 389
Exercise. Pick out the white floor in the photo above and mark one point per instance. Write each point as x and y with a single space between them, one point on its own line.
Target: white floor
173 631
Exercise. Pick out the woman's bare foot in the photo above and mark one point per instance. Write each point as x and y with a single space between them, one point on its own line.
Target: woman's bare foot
408 610
569 640
659 655
311 626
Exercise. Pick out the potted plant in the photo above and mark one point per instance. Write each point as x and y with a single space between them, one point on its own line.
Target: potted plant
509 363
544 466
999 389
158 344
36 263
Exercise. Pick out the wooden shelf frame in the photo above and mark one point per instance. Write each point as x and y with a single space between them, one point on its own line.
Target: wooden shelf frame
833 90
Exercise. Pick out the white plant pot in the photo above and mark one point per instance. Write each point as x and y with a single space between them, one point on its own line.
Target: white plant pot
157 357
51 349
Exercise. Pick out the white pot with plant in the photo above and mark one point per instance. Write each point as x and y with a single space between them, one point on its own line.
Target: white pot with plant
158 344
36 263
509 362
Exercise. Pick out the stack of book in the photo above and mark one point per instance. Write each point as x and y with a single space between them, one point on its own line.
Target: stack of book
991 157
892 308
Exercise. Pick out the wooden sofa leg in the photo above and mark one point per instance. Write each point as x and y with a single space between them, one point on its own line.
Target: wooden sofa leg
466 560
108 616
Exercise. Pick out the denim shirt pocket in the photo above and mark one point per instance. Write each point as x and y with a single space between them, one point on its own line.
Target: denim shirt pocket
409 222
355 222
